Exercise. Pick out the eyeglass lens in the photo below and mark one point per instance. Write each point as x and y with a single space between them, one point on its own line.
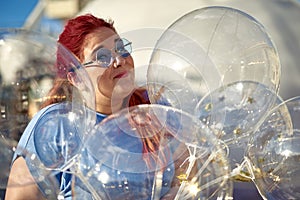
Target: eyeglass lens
122 47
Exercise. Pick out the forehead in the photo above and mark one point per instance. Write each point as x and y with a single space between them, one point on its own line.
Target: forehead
102 36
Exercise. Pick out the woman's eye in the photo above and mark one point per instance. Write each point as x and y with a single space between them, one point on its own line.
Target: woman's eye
102 57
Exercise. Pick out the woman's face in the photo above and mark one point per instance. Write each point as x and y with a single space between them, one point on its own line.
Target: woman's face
115 82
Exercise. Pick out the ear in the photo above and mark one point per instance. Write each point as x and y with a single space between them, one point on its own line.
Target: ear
75 81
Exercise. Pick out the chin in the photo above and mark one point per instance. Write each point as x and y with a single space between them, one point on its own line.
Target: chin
122 90
125 90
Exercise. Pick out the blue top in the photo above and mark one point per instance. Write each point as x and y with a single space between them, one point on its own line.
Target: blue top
59 141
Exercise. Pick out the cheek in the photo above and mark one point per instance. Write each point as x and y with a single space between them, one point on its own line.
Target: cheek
104 84
95 76
130 62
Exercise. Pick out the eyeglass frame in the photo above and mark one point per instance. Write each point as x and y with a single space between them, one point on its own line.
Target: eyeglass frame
112 57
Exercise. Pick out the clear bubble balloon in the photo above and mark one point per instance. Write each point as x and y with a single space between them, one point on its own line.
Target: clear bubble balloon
234 111
274 152
207 48
31 63
152 152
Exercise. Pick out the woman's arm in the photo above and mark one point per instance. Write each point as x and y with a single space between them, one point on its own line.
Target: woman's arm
21 185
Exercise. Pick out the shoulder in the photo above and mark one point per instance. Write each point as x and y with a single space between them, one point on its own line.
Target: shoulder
33 122
50 110
48 116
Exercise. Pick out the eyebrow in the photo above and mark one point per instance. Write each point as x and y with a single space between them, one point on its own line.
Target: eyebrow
96 49
101 46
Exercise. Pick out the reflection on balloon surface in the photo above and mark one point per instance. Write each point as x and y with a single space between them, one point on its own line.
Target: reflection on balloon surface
274 152
150 152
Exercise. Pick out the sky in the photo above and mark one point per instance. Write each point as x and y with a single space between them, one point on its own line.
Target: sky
13 13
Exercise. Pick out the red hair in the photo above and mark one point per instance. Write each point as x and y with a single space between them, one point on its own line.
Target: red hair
76 30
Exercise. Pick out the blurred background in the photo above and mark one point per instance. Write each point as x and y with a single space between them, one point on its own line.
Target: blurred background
281 19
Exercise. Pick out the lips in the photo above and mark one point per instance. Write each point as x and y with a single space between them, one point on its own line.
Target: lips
121 75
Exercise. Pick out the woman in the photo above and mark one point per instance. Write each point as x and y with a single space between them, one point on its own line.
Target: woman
107 60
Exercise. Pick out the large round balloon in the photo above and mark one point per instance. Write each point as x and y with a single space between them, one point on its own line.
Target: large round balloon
207 48
274 152
152 152
31 63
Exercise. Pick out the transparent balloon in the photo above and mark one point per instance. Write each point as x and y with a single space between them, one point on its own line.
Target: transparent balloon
152 152
31 63
206 49
234 111
274 151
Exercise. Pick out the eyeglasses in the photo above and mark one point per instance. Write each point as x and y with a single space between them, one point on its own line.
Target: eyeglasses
105 57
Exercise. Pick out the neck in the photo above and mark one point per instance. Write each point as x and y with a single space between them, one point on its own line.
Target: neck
107 106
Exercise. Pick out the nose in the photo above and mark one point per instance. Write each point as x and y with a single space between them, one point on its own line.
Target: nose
119 61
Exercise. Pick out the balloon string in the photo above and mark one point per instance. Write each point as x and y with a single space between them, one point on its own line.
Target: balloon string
157 185
192 159
90 188
158 178
70 164
238 171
